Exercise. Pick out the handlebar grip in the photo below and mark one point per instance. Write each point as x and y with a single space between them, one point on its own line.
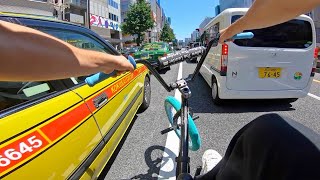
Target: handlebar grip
98 77
245 35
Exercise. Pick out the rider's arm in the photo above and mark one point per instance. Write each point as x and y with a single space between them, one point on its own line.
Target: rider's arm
265 13
30 55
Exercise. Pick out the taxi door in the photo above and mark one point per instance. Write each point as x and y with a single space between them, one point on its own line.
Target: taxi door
113 102
46 130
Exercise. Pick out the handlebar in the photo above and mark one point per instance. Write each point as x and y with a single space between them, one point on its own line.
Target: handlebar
214 42
96 78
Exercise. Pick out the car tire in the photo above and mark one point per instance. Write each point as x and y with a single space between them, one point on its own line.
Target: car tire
146 95
215 93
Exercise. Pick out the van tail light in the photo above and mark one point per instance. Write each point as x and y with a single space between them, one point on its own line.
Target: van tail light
316 51
224 60
314 68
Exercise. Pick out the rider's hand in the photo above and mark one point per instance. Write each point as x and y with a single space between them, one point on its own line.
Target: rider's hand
227 33
120 64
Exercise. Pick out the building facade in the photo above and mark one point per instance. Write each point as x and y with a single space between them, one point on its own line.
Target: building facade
77 12
195 36
225 4
203 24
37 7
105 20
187 41
315 15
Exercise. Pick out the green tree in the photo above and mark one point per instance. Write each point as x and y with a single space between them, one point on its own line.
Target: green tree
167 34
138 20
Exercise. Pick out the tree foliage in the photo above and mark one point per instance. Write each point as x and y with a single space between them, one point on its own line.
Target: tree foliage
167 34
138 20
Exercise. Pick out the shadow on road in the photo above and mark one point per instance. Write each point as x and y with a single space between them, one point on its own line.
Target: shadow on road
116 152
163 71
189 61
201 102
155 160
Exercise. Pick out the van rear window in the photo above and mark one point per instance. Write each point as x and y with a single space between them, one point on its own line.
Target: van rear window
292 34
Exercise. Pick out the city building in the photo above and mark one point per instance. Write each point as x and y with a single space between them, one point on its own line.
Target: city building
169 20
37 7
77 12
164 18
315 15
195 36
152 34
225 4
125 4
187 41
105 20
181 43
203 24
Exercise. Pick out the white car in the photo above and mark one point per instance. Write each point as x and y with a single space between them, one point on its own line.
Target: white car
277 63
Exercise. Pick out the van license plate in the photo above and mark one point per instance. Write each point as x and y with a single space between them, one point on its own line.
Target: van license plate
269 72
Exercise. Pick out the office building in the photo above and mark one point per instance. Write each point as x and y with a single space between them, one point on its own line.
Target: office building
77 12
37 7
203 24
169 20
105 20
225 4
195 36
187 41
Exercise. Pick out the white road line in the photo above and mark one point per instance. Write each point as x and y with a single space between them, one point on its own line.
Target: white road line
314 96
168 169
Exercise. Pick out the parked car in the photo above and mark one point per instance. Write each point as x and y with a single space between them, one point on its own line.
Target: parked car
132 50
64 129
153 53
277 63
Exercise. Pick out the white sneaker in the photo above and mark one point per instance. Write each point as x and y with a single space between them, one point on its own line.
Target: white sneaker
210 159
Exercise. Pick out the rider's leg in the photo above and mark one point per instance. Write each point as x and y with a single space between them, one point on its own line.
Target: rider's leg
270 147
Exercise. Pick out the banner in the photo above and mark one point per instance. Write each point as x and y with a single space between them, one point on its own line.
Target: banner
104 22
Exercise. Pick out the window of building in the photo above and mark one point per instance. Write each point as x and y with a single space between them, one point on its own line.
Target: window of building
113 4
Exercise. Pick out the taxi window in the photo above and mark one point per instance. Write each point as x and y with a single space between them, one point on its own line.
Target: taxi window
13 94
79 40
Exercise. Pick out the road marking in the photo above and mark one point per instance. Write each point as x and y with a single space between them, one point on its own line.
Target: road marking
314 96
316 81
168 169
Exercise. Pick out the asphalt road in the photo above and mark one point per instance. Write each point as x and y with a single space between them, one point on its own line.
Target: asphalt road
140 153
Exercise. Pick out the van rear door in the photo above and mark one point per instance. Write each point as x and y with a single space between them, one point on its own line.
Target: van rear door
277 58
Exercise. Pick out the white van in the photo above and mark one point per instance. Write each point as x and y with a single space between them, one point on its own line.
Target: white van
278 63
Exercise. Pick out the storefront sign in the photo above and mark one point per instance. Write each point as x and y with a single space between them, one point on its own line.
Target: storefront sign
104 22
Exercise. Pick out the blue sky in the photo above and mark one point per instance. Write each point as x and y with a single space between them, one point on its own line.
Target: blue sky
186 15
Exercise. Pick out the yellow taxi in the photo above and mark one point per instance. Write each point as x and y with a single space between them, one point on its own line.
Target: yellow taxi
64 129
